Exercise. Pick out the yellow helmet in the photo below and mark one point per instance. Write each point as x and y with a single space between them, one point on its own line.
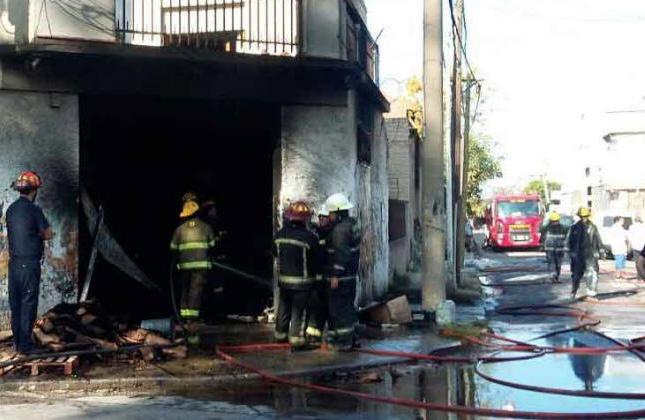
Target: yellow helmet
189 208
584 212
554 216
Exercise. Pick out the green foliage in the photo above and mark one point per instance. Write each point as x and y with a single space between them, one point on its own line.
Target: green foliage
483 166
537 186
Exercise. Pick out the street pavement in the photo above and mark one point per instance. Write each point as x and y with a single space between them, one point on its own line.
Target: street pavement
510 280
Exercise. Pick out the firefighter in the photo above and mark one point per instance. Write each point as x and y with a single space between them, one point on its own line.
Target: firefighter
297 253
318 313
342 266
192 246
27 228
215 301
554 236
584 245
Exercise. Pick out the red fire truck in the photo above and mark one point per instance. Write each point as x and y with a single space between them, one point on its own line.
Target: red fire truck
514 221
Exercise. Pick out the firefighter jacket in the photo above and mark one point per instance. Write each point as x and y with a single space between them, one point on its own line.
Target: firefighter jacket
343 250
584 245
193 243
298 254
323 237
554 237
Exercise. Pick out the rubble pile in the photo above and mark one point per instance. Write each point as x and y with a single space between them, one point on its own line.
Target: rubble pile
69 327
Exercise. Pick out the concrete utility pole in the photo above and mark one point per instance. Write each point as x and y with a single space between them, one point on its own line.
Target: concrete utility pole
461 221
432 160
457 138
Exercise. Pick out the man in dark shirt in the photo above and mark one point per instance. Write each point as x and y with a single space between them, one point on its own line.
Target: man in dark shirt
27 228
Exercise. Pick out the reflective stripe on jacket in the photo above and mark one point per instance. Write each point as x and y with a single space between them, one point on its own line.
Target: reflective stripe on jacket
343 250
298 255
193 243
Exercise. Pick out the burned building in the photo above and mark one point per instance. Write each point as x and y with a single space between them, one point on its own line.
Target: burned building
253 102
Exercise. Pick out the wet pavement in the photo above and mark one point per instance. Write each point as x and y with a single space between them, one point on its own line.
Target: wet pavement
518 279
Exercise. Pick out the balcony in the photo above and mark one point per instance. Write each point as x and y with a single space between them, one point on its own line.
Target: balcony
250 26
317 29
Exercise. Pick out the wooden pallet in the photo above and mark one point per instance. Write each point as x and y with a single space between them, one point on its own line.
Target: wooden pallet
67 363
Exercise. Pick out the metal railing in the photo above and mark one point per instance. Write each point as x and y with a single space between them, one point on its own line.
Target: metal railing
244 26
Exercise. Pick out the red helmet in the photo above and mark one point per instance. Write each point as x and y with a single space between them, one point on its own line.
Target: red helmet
298 211
28 180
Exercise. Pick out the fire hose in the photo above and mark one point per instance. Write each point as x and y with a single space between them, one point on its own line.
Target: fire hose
510 346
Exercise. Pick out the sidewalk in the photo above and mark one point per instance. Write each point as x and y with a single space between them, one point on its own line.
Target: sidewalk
203 368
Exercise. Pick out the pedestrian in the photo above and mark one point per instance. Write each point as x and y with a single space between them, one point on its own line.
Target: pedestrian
554 236
636 237
192 247
618 241
342 262
584 246
640 264
27 228
297 253
318 311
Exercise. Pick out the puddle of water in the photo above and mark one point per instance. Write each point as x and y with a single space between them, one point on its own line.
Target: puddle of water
459 384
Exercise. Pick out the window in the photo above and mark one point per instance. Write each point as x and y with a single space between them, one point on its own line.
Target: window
518 208
589 192
396 222
587 171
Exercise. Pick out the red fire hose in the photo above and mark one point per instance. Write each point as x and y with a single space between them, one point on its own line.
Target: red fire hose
514 346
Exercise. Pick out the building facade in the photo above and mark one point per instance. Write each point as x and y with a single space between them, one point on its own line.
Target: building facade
254 103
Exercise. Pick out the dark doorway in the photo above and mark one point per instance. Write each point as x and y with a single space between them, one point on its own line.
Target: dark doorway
139 156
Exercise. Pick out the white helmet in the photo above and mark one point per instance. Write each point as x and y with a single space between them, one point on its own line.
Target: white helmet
323 212
338 202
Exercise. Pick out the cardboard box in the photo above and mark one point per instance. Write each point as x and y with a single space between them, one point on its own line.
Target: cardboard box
396 311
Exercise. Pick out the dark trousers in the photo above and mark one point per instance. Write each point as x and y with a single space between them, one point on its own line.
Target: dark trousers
342 313
318 311
24 288
555 261
192 288
291 315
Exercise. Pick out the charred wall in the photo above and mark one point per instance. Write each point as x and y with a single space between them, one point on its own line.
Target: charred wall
39 131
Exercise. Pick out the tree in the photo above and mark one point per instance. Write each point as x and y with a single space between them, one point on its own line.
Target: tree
483 166
536 186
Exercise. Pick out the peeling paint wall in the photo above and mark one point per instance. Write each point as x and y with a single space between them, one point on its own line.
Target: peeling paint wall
40 132
373 210
319 158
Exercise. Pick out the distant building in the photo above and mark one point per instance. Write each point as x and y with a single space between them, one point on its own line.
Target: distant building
404 192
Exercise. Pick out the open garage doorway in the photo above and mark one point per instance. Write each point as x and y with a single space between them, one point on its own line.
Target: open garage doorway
139 155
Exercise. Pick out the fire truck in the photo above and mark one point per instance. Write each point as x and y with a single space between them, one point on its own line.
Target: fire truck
514 221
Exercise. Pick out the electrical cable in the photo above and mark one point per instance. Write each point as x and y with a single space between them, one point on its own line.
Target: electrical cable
461 44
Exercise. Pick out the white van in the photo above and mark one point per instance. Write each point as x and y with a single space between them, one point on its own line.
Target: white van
605 220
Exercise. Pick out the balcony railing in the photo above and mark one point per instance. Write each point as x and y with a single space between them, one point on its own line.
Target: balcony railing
249 26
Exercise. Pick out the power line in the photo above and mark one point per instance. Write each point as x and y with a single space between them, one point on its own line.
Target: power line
461 44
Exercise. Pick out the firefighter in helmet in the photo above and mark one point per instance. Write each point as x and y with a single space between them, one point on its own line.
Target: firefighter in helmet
318 313
192 246
342 267
553 237
297 254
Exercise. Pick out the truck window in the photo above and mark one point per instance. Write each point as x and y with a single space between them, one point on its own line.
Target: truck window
518 208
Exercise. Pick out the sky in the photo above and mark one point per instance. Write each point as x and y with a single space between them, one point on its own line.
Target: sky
551 71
